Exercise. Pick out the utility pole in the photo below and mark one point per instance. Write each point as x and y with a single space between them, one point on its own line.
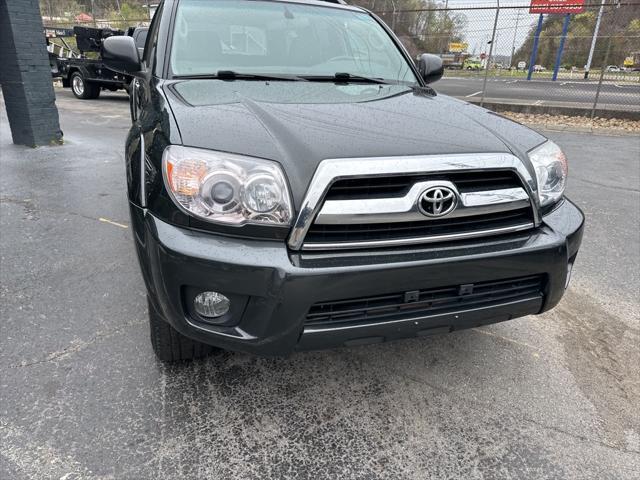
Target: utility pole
515 34
587 67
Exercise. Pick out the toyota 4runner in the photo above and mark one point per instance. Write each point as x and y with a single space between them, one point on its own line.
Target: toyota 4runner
295 183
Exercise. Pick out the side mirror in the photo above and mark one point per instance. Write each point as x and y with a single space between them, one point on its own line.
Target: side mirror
430 67
119 53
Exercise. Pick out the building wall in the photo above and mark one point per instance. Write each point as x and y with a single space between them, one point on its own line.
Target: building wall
25 75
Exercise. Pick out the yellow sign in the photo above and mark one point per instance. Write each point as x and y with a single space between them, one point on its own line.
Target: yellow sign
628 62
458 47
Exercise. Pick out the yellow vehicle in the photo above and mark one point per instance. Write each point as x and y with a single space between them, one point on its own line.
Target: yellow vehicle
632 61
472 64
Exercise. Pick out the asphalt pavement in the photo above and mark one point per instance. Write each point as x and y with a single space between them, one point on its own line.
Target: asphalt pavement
82 396
567 93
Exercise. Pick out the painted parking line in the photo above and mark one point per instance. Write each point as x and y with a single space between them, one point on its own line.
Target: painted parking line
111 222
473 94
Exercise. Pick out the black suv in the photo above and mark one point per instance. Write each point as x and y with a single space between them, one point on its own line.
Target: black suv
294 183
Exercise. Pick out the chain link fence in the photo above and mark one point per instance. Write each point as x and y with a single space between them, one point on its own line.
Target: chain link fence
487 48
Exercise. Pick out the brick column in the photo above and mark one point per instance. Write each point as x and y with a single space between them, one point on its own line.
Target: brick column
25 75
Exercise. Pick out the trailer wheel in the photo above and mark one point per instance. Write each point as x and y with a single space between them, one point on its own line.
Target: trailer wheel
83 89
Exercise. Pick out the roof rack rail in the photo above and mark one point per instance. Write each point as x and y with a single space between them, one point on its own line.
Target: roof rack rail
341 2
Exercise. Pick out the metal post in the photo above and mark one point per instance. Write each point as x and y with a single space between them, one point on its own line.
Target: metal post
565 29
606 59
93 15
444 23
587 67
534 51
393 18
515 33
486 70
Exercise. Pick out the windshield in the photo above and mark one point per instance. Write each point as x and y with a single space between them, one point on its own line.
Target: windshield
266 37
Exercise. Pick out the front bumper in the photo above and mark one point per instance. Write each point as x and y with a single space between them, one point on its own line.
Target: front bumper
272 289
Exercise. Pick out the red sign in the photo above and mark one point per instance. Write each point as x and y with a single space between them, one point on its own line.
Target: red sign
556 6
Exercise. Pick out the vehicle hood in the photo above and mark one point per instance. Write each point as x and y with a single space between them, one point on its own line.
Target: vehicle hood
299 124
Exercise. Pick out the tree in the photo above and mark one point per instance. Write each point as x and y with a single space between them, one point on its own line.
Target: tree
128 13
419 24
63 9
622 24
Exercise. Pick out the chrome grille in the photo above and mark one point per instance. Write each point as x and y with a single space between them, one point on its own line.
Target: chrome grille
434 229
372 212
364 203
399 185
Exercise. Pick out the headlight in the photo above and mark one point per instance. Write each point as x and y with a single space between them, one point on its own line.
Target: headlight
551 171
225 188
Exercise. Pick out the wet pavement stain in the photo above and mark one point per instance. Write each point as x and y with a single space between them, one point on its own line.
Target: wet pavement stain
30 209
604 358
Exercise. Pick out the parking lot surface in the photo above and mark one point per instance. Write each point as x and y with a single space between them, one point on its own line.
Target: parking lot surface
82 396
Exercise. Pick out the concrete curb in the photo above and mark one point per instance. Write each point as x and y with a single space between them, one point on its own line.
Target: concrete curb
611 132
556 110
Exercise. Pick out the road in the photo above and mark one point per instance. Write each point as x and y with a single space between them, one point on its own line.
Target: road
82 396
542 92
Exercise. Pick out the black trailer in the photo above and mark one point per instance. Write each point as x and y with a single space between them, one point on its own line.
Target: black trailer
88 76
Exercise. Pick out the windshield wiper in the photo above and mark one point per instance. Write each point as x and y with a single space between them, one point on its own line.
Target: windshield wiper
343 77
231 75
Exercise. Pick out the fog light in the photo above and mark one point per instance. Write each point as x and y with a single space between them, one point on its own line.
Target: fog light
211 304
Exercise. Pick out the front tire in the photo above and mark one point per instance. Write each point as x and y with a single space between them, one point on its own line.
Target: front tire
169 345
82 89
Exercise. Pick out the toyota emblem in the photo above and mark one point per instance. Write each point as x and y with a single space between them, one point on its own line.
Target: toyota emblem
437 201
